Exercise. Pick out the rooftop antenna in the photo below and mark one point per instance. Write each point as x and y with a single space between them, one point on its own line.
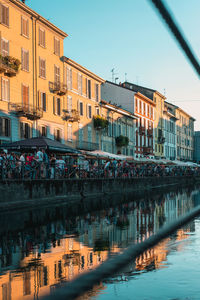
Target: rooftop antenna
125 75
113 74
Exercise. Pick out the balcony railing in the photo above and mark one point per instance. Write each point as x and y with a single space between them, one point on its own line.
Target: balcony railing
161 140
141 130
28 111
9 65
58 88
150 132
85 145
72 116
147 150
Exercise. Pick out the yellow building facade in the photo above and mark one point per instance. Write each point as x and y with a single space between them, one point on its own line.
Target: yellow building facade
28 89
82 103
184 135
43 93
159 139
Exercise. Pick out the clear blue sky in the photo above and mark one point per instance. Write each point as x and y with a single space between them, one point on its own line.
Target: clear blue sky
130 37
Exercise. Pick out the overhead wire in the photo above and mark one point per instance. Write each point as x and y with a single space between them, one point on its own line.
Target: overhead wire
166 16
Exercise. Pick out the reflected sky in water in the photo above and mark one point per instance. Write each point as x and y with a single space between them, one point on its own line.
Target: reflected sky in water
41 250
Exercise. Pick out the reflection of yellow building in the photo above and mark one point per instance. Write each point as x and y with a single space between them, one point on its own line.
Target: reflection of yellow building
39 274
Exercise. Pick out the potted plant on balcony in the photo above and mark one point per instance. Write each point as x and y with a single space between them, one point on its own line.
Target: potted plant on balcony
100 122
122 141
11 62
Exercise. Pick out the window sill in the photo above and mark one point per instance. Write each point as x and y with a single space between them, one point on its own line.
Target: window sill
42 77
25 71
5 25
44 47
27 37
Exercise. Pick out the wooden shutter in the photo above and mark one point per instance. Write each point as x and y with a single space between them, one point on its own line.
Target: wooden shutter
21 130
87 110
22 58
39 100
78 106
7 16
86 87
1 126
54 108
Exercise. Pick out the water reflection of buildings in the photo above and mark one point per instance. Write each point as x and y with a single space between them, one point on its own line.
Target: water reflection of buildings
35 261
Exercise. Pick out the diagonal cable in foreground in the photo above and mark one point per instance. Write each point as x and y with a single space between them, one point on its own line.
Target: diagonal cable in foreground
86 281
164 12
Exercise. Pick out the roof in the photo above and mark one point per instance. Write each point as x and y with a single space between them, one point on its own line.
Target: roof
82 69
137 88
41 142
118 109
181 110
168 103
33 13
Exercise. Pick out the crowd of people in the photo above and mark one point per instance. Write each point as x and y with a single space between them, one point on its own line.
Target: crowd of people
40 165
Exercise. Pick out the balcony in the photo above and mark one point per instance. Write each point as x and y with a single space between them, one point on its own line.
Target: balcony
28 111
72 116
147 150
161 140
85 145
150 132
58 88
9 65
141 130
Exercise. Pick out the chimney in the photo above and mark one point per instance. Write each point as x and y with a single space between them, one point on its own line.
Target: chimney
23 1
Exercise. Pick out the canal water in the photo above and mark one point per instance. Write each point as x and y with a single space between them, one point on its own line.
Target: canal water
41 249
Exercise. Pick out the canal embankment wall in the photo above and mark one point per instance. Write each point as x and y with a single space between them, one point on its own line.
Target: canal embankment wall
29 193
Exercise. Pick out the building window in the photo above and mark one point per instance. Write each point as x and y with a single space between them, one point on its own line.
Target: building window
25 95
57 135
89 89
140 105
43 131
69 104
81 108
4 47
69 132
57 75
97 92
80 84
43 101
97 111
57 107
89 134
42 41
56 46
4 14
25 131
24 27
89 111
144 109
69 78
25 60
5 127
42 68
136 105
5 89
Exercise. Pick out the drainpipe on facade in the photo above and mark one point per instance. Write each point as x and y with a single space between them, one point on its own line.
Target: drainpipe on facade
36 91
